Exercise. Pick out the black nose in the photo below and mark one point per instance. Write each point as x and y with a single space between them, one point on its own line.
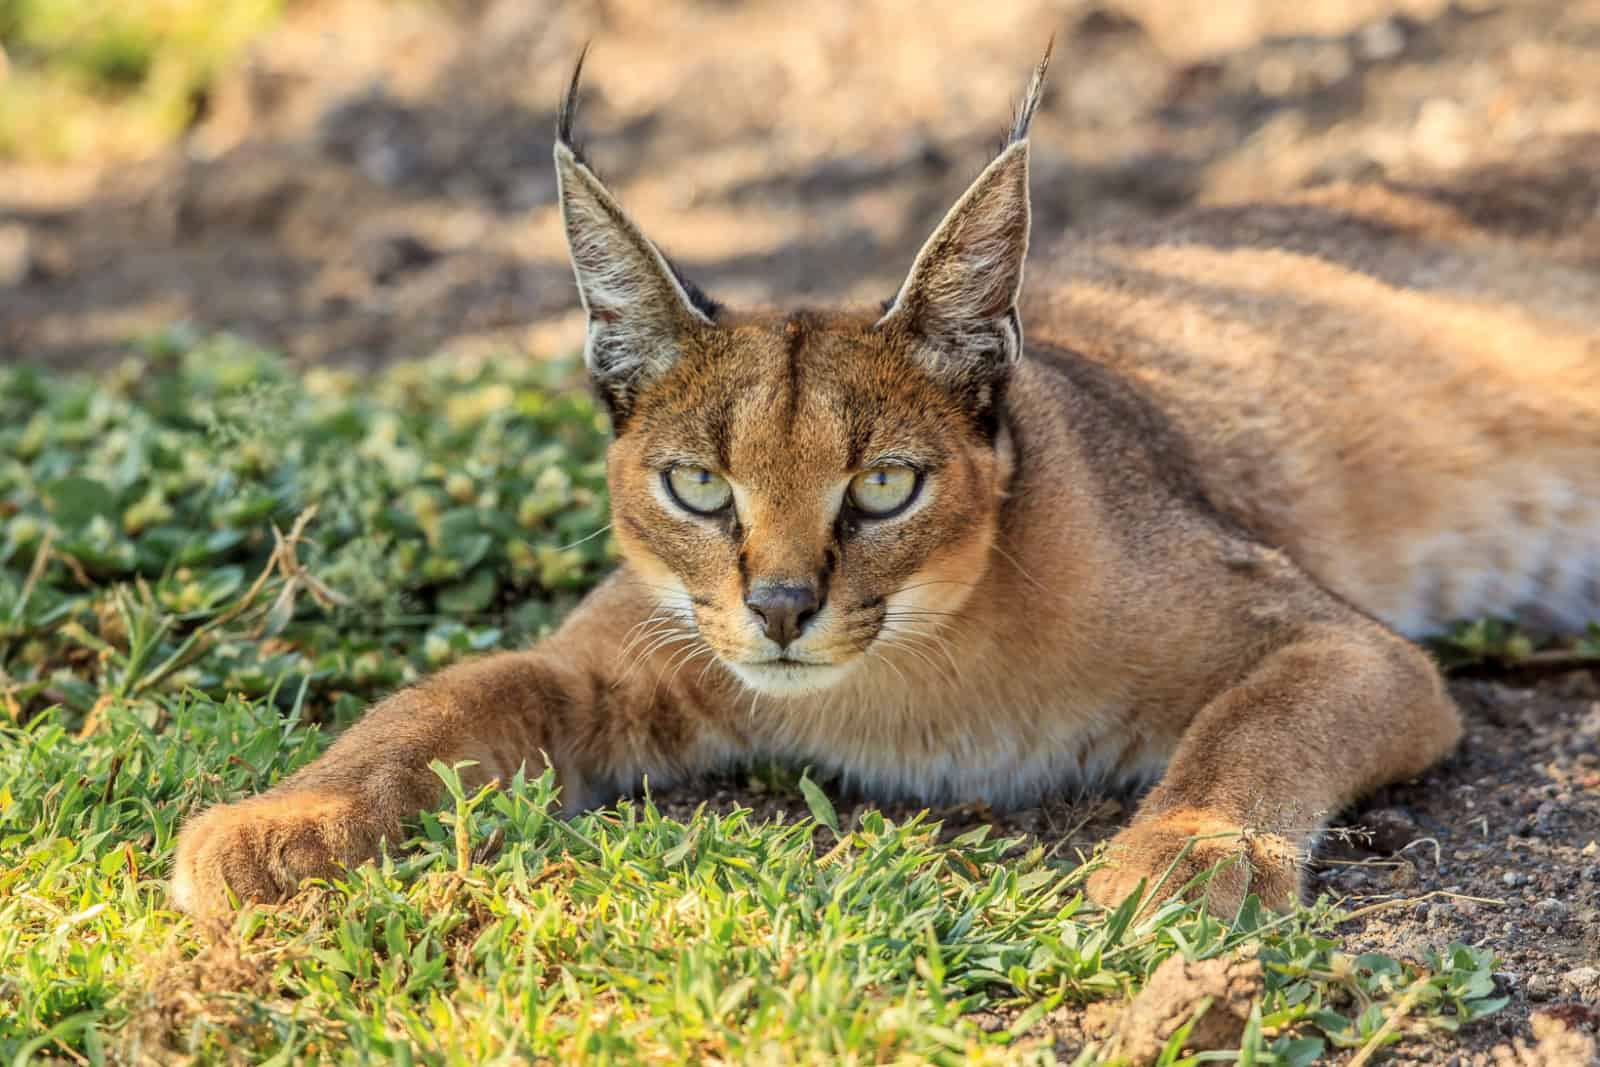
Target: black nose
784 609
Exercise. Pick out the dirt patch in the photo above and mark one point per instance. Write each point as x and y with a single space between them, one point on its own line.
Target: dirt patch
1214 994
217 989
1512 820
374 181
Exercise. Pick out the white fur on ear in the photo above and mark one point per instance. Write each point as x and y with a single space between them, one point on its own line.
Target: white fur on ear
963 288
638 310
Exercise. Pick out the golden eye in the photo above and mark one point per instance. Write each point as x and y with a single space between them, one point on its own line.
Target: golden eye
884 491
698 490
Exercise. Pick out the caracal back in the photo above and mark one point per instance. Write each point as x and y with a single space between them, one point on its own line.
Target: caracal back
1405 402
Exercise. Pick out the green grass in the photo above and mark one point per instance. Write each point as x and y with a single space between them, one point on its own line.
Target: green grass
113 77
166 642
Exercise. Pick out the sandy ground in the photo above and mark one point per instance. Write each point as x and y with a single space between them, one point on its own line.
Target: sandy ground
374 183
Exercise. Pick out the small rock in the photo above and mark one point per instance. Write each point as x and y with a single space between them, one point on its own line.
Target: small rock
1542 987
1583 982
1391 829
1550 912
1545 818
987 1021
1383 40
1404 876
1511 879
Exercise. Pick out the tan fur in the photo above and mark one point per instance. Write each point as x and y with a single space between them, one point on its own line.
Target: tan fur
1172 541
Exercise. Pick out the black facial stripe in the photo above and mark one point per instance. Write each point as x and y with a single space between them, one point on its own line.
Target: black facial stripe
634 526
830 559
795 332
844 527
718 429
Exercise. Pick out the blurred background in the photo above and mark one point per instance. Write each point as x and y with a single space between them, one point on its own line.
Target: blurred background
363 180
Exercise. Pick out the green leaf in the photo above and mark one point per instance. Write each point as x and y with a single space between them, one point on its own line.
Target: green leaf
680 852
75 500
1298 1051
470 596
1477 1009
821 807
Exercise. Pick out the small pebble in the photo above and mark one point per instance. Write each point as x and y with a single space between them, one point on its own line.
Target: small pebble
1542 987
1584 982
1550 911
1391 829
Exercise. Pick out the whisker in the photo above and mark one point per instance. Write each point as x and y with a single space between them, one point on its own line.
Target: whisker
715 661
666 641
943 647
887 662
937 581
655 616
938 648
585 540
1020 568
694 651
938 640
661 623
910 649
913 638
666 594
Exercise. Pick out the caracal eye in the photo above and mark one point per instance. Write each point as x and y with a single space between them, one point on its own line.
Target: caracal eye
884 491
698 490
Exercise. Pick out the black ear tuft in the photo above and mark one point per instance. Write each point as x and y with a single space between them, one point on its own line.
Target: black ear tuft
643 316
697 296
959 301
568 113
1030 99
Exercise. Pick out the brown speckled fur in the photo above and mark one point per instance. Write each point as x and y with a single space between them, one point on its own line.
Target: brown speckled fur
1177 540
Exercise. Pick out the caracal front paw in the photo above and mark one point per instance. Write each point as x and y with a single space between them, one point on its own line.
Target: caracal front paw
1234 861
262 848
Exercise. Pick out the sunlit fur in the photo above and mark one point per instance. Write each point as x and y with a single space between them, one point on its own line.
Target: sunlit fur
1182 496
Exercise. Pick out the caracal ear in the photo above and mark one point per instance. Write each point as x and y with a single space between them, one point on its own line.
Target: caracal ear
641 313
960 298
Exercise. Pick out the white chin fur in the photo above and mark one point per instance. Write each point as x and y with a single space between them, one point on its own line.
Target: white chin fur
786 679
